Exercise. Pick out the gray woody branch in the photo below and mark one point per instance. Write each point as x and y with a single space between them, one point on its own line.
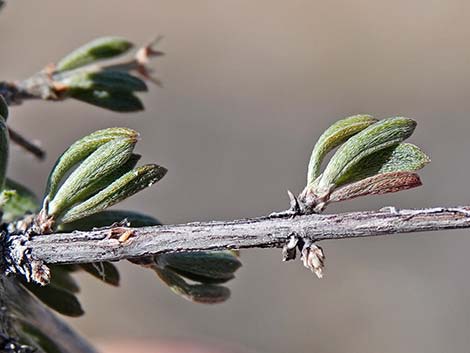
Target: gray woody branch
266 232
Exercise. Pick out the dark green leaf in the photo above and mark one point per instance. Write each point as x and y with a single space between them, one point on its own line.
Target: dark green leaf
58 299
202 266
62 278
104 271
117 101
198 293
107 218
105 80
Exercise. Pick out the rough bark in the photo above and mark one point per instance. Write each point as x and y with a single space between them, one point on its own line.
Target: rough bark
266 232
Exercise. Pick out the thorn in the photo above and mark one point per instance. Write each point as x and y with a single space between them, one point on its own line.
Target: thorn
296 207
289 249
142 58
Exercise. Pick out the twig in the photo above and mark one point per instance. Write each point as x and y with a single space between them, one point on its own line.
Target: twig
21 304
29 146
13 93
266 232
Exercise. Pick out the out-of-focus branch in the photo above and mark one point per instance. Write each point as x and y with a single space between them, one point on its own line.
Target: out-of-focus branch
22 306
27 145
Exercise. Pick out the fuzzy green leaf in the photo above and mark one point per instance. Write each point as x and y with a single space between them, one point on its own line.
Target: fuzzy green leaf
202 266
104 271
19 202
404 157
106 180
117 101
3 108
58 299
98 49
80 150
126 186
334 136
102 182
86 179
106 80
107 218
198 293
383 134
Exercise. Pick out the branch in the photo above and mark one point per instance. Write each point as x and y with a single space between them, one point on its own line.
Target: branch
23 306
266 232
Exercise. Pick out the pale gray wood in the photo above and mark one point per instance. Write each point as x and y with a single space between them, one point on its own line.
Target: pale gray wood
266 232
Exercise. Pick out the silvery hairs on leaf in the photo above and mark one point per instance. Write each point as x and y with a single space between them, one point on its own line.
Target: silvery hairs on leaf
124 187
80 150
98 49
85 180
334 136
404 157
383 134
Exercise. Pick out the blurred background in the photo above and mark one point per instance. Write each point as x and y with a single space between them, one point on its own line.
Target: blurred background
248 88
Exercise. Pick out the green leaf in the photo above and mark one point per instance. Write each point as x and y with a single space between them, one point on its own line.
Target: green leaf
86 179
19 202
404 157
107 218
105 80
126 186
202 266
3 108
111 177
117 101
334 136
38 338
377 185
80 150
104 271
198 293
383 134
102 182
98 49
58 299
62 278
